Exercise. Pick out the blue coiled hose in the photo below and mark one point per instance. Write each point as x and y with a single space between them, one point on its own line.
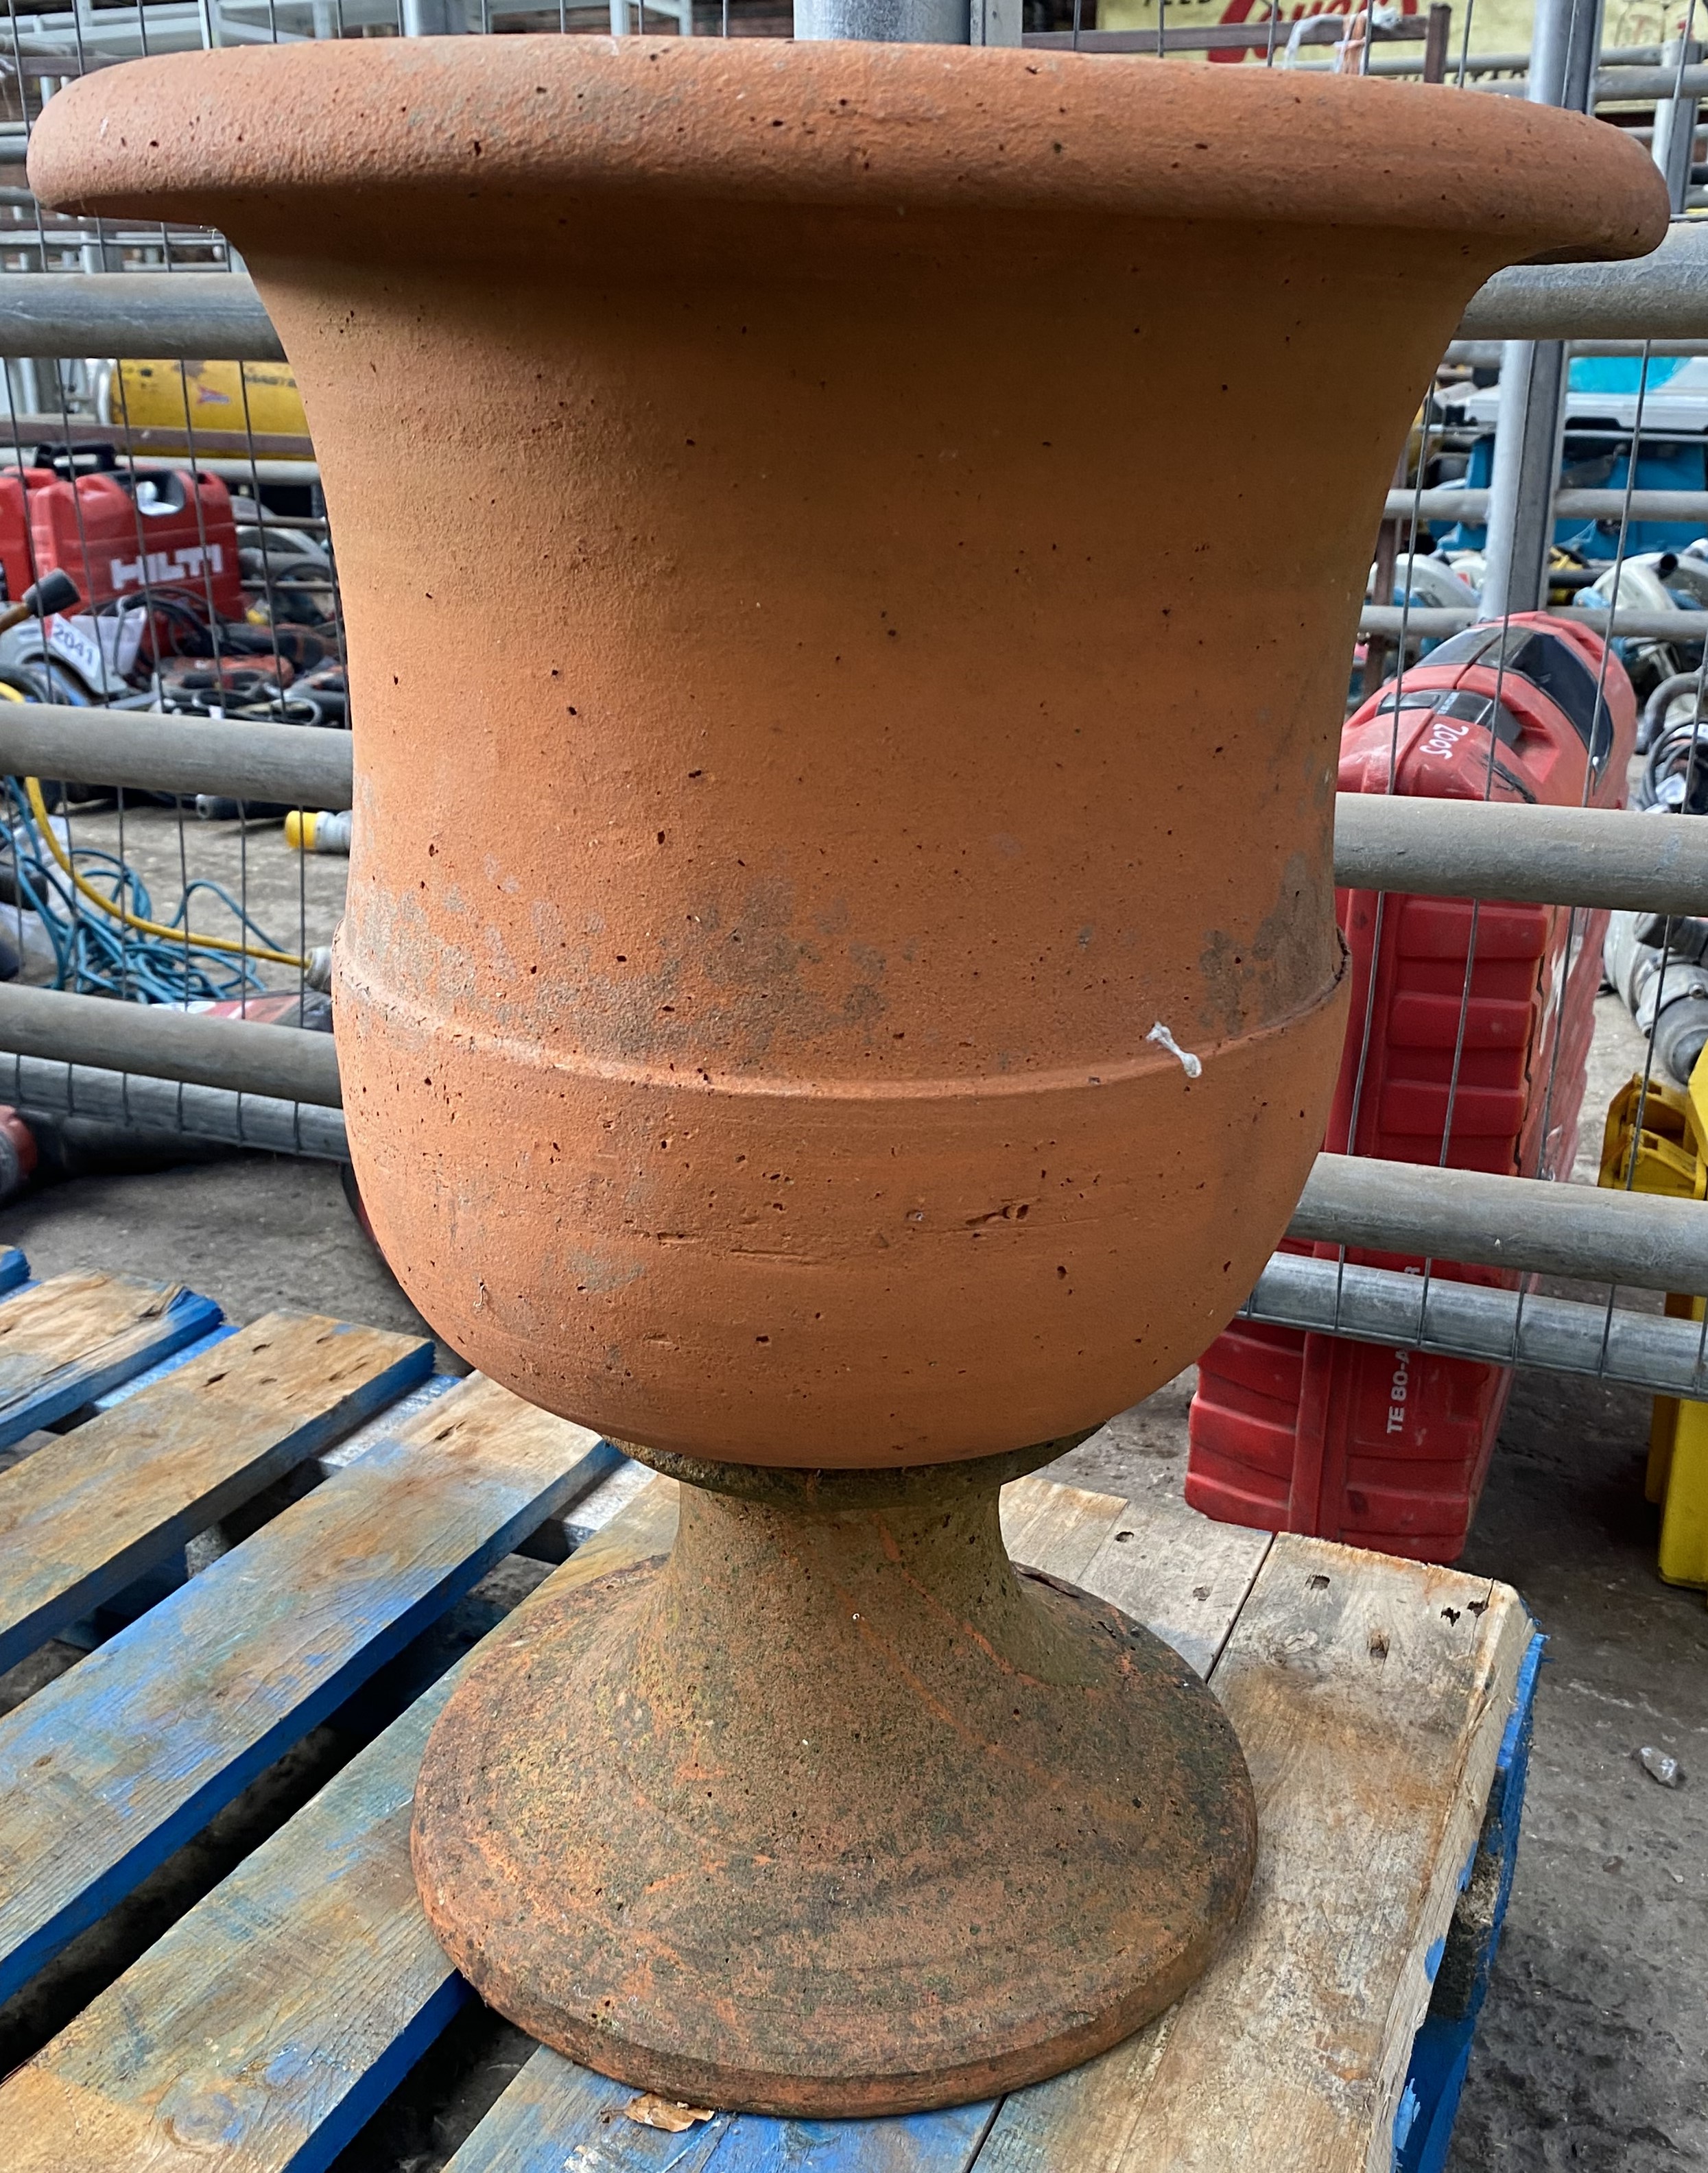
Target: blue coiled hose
97 957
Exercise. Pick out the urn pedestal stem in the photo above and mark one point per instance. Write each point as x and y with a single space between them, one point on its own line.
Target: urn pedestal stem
834 1810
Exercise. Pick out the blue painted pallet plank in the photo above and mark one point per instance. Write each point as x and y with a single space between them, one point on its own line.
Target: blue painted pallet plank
918 2142
81 1520
275 2017
153 1586
1441 2055
407 1408
14 1268
271 2021
556 2115
109 1398
170 1571
579 1515
66 1341
606 1482
107 1770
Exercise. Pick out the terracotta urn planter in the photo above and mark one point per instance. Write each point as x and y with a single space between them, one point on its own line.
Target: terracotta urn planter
851 555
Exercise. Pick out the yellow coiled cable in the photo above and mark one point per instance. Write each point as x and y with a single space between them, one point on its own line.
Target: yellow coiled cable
38 807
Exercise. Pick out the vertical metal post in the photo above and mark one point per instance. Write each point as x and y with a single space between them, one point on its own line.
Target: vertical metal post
434 19
909 22
887 22
1563 44
1675 124
996 22
1376 651
1439 31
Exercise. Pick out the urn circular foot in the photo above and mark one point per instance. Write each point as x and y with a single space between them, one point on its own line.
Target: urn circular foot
831 1815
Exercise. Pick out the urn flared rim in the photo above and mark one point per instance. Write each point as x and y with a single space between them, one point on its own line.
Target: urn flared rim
833 124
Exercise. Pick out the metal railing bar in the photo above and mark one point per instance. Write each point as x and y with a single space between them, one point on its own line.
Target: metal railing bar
189 316
1647 1239
1447 503
1594 856
1432 621
1464 1320
173 315
39 1088
1437 848
1662 296
147 751
284 1062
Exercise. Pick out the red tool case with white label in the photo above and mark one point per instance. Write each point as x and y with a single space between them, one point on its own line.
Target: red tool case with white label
1482 1014
170 534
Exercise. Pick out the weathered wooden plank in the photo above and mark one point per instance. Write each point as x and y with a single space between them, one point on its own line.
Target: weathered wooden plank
105 1771
604 1480
1055 1528
1180 1574
1371 1697
169 1571
397 1418
66 1341
280 2011
645 1525
83 1517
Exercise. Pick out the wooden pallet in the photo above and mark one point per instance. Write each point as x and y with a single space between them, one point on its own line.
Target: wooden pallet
1383 1706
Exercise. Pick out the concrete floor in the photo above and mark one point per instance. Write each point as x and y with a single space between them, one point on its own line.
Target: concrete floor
1593 2050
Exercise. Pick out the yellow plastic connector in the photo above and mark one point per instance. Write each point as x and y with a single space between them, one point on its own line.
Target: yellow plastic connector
1668 1152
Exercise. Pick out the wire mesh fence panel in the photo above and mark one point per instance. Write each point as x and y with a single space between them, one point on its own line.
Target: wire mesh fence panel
181 499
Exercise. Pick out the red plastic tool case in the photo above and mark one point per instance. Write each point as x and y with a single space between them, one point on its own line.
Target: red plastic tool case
1389 1448
176 537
